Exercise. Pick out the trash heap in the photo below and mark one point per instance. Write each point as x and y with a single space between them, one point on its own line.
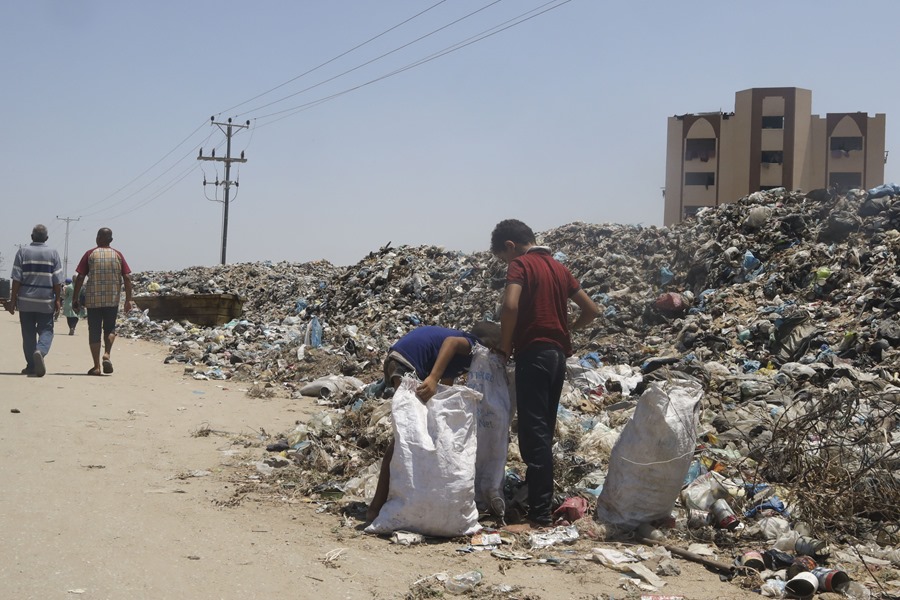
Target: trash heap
784 306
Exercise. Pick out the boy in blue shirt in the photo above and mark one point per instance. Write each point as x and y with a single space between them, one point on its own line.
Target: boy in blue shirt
435 355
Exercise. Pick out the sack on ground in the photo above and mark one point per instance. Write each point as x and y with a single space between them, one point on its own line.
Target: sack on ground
487 375
432 489
652 456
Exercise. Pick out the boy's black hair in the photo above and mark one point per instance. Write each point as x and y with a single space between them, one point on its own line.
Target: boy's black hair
512 230
488 333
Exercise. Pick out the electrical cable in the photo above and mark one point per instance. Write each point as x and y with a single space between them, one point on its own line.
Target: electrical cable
293 110
368 62
343 54
148 169
152 181
518 20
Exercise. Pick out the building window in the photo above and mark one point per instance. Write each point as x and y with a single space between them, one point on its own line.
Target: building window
773 122
773 157
842 146
705 179
846 143
845 181
702 149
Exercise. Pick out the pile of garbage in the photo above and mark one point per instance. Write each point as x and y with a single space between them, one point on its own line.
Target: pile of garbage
783 306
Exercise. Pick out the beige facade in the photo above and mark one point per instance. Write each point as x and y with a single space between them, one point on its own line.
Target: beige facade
771 140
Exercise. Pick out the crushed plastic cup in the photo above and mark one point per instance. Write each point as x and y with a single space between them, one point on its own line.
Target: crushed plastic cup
460 584
697 519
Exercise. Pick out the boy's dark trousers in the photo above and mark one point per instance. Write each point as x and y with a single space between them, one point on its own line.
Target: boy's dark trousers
540 372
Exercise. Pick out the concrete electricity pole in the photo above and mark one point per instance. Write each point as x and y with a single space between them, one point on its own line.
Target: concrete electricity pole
66 256
228 127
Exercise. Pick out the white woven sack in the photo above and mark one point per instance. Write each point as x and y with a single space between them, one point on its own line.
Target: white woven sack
432 489
652 456
487 375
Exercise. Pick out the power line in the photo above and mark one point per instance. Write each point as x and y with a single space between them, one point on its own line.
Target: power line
152 181
308 105
508 24
377 58
145 171
331 60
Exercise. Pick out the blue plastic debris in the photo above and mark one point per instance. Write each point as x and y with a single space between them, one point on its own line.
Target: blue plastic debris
665 275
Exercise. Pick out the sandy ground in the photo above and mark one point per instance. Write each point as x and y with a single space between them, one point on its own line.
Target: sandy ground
95 501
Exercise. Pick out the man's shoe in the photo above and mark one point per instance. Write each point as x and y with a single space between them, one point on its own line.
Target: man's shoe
71 331
27 371
39 368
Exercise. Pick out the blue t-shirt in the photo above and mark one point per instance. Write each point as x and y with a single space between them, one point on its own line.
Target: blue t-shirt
421 346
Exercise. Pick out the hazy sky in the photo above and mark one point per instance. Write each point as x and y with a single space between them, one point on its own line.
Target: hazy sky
561 118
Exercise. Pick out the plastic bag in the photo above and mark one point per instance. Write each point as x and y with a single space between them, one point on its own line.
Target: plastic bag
487 375
432 489
701 493
651 458
313 337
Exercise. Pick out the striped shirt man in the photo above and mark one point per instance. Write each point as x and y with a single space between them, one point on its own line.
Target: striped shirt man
38 269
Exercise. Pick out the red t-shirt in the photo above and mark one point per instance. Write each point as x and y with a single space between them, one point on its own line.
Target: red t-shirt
547 286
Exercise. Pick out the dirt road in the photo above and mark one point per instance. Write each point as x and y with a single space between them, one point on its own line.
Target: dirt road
105 495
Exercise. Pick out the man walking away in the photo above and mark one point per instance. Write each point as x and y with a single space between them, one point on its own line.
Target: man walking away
36 278
106 270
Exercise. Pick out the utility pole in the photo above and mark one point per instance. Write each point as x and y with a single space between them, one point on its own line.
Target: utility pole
228 131
66 259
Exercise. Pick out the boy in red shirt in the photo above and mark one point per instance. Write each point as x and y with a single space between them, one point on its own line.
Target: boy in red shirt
534 324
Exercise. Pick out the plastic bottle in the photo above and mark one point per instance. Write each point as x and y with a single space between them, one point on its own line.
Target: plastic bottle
773 588
857 591
694 471
460 584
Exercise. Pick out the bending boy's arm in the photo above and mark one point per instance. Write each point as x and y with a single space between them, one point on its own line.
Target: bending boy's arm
449 348
509 314
589 309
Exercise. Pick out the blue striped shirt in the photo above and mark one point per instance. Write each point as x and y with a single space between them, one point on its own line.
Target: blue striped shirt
37 268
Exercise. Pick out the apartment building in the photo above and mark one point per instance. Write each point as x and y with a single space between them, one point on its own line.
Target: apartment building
770 140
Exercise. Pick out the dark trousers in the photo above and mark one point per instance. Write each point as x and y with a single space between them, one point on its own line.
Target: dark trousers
101 323
37 334
72 321
540 372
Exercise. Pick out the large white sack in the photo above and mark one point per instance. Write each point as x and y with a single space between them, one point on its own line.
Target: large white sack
432 489
652 456
487 375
